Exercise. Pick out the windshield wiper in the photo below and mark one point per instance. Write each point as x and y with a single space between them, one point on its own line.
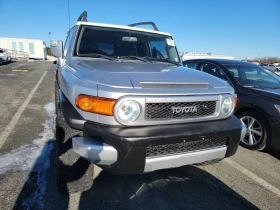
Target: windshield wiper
135 57
251 86
273 88
164 60
96 55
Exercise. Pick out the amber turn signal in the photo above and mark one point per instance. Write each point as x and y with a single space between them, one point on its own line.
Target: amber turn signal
277 107
235 101
97 105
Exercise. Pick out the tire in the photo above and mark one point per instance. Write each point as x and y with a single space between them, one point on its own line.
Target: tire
262 142
56 96
74 173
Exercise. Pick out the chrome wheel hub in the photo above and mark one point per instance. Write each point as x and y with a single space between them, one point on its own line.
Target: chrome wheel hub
254 131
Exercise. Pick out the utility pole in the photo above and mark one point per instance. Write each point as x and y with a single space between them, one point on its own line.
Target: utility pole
50 42
69 14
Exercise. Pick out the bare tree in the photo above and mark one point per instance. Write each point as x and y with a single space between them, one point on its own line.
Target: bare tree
266 60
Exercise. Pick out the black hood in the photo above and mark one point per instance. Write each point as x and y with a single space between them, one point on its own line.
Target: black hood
271 93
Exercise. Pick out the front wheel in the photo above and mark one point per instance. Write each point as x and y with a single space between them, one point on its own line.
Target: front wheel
74 173
258 132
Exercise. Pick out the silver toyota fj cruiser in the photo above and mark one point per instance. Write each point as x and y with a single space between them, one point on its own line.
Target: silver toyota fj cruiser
125 103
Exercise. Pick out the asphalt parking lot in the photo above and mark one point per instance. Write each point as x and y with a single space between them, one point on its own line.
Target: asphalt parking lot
248 180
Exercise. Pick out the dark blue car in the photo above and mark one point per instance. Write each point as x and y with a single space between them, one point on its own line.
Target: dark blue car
258 92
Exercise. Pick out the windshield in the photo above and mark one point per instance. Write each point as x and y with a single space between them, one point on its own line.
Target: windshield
253 76
126 44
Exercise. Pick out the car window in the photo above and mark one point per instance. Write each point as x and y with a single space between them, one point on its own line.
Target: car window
67 43
213 70
164 49
107 48
192 65
234 72
159 46
126 44
254 76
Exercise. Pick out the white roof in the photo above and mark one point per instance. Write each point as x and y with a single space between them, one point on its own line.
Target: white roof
21 39
121 27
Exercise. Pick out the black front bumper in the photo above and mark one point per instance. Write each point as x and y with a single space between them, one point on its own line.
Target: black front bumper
132 142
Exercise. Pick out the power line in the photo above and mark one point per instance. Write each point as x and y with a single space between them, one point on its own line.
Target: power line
68 14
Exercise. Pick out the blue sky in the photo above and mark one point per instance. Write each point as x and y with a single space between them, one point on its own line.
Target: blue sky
241 28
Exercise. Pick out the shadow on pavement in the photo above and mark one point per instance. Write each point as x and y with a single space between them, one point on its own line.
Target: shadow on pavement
181 188
187 187
274 153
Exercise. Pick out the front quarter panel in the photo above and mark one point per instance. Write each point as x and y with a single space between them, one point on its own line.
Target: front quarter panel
72 86
261 104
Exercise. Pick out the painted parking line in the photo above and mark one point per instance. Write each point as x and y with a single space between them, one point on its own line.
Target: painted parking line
5 134
253 176
74 201
20 70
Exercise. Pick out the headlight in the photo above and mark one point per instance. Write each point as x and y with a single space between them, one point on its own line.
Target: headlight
128 111
227 106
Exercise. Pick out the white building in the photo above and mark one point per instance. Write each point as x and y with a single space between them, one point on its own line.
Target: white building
18 47
189 55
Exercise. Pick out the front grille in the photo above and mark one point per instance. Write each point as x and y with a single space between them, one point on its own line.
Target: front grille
184 147
164 111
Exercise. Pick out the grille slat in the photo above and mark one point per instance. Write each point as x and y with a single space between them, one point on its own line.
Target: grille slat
163 111
184 147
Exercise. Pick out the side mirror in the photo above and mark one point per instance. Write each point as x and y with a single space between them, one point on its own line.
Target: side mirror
55 62
56 48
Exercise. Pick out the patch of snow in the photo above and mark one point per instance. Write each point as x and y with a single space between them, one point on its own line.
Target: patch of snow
50 108
33 154
33 157
51 58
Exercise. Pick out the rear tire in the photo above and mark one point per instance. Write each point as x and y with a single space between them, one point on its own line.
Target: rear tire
74 173
263 142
